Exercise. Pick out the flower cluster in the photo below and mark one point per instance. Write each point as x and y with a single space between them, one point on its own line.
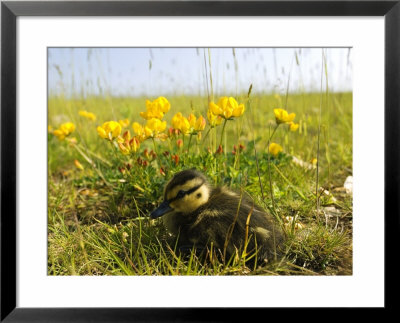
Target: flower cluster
109 130
64 130
152 129
282 116
274 149
128 144
213 119
190 125
88 115
156 109
154 126
227 107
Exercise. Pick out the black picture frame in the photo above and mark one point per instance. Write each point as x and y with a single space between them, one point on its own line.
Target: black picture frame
10 10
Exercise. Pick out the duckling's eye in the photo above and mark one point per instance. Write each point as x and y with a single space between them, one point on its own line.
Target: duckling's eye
180 194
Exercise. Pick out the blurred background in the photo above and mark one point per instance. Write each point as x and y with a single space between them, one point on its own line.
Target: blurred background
138 72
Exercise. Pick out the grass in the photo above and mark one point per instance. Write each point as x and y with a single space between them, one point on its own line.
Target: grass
98 220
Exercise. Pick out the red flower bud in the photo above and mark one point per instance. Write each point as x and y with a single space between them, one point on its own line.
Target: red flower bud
219 150
179 143
162 172
175 158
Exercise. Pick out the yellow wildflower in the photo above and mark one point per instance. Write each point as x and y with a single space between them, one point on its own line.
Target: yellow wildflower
59 134
154 127
274 149
238 111
176 120
293 126
200 124
124 148
282 116
65 130
147 132
162 104
109 130
149 114
181 123
126 144
87 115
215 109
213 119
137 128
134 144
196 124
192 120
156 109
314 161
126 136
142 133
227 107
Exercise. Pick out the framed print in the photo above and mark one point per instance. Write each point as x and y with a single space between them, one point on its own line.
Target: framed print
197 158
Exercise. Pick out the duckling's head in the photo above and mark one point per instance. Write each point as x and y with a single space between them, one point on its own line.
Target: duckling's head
184 193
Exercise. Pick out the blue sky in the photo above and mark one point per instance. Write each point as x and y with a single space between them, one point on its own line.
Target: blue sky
169 71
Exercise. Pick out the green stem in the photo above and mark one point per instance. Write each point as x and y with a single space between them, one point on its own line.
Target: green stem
222 133
155 150
97 156
190 141
269 168
208 131
273 132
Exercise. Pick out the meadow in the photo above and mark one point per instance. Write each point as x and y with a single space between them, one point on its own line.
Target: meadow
104 179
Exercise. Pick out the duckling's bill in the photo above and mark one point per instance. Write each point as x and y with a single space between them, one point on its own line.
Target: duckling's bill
161 210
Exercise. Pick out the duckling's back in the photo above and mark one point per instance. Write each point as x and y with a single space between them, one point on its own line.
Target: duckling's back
230 220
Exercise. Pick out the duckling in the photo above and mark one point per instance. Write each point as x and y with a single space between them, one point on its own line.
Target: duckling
200 214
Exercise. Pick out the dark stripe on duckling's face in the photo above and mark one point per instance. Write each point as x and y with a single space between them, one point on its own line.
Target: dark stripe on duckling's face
182 178
181 193
165 207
